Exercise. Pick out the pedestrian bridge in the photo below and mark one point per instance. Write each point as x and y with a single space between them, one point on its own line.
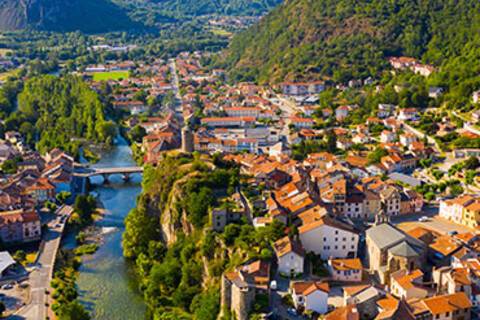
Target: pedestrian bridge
107 172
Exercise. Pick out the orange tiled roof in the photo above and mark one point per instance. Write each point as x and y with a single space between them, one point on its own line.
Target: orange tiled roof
353 290
346 264
348 312
447 303
286 245
445 245
405 280
308 287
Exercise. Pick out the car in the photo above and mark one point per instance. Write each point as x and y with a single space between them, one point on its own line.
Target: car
452 233
7 286
273 285
292 311
423 219
58 225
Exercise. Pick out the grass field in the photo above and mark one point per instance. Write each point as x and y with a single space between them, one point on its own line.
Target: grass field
111 75
221 32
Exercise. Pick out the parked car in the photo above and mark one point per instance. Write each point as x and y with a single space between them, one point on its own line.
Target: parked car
273 285
7 286
452 233
423 219
292 311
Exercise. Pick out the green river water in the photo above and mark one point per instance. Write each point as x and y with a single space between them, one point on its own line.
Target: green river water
106 283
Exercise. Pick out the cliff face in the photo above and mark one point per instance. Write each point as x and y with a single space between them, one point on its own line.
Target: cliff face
174 218
62 15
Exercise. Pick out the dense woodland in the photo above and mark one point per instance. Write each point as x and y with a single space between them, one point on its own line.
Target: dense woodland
347 39
56 112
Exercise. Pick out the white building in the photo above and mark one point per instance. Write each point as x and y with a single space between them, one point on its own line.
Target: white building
329 238
407 139
347 270
408 285
342 112
243 112
290 256
453 209
387 136
476 96
385 110
310 295
302 88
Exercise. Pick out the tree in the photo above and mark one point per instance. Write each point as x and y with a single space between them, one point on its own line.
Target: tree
85 206
472 163
206 305
2 308
198 204
20 256
470 177
9 166
107 131
137 133
456 190
375 156
331 141
230 233
73 311
63 196
28 132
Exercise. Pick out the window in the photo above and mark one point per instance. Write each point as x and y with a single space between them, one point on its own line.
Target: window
344 248
344 239
336 247
336 231
324 238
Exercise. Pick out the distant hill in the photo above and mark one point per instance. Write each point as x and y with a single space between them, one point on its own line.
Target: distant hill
93 16
228 7
63 15
344 39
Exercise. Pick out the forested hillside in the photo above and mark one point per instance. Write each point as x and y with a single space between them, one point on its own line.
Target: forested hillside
228 7
345 39
96 16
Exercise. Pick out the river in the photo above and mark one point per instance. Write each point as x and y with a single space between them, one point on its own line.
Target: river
106 283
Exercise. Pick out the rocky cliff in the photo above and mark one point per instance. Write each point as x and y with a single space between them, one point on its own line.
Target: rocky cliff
63 15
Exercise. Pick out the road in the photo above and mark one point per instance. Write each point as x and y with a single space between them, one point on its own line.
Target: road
278 308
288 109
40 279
420 136
246 205
176 90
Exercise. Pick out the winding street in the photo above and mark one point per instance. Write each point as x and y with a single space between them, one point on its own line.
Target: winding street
40 279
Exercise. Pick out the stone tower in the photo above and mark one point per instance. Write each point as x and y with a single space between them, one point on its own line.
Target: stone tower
187 140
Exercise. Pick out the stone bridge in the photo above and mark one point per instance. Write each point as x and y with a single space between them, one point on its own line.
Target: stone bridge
107 172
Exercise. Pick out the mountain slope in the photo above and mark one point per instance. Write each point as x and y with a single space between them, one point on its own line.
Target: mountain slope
63 15
229 7
344 39
110 15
